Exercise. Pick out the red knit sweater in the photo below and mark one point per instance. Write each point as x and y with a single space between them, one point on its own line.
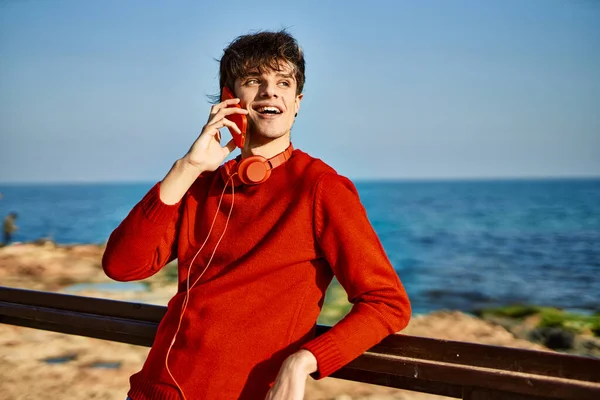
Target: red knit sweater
258 301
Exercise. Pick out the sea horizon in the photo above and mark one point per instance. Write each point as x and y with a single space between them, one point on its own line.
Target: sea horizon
372 179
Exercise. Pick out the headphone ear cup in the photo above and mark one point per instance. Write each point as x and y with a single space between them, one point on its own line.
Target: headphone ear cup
253 170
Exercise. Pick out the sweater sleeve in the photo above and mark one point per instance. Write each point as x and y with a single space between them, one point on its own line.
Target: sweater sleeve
145 241
357 258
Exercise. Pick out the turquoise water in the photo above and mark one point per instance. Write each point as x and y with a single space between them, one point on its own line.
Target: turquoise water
455 244
60 359
66 358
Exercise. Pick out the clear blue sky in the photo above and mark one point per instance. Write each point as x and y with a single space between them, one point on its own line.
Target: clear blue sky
116 90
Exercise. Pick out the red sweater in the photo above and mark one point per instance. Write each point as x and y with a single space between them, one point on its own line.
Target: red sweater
258 301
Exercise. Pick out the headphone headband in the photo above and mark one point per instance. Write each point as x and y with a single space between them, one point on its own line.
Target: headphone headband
281 158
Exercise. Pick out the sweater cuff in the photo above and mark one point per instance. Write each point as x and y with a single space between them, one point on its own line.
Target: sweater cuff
154 208
329 358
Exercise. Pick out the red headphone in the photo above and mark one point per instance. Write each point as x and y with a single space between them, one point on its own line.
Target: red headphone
254 169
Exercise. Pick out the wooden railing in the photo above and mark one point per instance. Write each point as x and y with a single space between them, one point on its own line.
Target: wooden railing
442 367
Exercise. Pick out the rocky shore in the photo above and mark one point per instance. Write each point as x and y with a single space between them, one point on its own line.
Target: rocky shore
37 364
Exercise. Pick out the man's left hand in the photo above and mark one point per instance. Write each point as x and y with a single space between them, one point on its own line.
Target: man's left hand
291 380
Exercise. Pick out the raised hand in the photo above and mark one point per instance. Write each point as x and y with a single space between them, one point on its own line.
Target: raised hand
206 153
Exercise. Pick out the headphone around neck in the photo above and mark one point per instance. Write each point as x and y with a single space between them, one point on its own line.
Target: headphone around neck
253 170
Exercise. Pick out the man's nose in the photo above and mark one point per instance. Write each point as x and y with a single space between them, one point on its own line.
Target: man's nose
268 90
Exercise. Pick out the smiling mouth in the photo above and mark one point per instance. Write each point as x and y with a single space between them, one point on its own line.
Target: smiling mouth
268 110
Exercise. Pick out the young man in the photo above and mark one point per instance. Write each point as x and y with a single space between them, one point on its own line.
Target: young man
255 259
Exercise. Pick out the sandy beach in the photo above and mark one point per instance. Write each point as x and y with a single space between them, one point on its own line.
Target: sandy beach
37 364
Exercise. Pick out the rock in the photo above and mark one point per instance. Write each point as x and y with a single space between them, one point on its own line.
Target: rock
554 338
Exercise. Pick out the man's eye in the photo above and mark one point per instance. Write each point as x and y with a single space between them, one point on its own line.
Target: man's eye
251 81
284 83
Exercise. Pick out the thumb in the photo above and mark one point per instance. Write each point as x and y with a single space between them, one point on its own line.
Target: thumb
229 147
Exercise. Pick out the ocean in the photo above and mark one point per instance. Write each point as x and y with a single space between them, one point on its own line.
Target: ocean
459 245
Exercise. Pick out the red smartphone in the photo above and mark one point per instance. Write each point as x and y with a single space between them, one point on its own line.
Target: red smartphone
239 119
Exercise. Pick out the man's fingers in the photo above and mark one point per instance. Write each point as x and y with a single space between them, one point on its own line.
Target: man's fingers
222 105
226 111
233 110
212 129
229 102
229 147
232 125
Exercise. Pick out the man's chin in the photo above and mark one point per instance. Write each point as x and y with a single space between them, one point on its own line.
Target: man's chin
262 137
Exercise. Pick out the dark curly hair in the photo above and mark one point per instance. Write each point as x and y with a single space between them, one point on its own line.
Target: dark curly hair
260 51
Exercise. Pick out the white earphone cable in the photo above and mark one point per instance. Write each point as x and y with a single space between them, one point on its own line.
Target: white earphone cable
188 287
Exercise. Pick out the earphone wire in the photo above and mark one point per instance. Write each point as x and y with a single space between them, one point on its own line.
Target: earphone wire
188 287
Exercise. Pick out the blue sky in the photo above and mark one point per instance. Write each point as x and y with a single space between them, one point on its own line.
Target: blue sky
116 90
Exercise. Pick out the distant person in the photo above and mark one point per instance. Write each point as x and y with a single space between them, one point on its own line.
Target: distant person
9 227
242 324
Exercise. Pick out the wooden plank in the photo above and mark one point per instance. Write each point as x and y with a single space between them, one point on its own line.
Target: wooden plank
83 324
61 301
53 327
464 375
510 359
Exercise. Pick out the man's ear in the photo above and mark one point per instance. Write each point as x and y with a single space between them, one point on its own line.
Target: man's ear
297 102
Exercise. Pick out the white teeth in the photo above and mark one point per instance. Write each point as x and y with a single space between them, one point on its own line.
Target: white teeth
264 109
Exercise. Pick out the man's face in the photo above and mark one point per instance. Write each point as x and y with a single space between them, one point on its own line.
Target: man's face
271 101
